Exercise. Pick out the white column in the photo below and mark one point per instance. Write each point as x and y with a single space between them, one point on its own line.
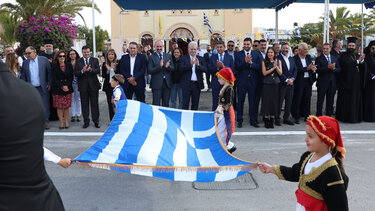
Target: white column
326 22
93 29
121 37
277 27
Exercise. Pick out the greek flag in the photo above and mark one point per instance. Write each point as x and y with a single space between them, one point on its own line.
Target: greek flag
207 22
178 145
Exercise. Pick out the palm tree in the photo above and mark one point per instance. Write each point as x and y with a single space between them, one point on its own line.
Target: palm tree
9 22
33 8
339 23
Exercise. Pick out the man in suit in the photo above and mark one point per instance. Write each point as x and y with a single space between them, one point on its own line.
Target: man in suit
207 57
133 67
263 48
303 83
86 70
336 48
217 62
160 66
37 71
232 53
327 66
24 182
192 68
287 83
247 66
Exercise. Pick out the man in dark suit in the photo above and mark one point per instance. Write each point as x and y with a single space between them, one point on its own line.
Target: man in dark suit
192 68
207 57
160 66
24 182
217 62
133 67
247 66
303 83
232 53
86 70
336 48
327 66
287 83
37 71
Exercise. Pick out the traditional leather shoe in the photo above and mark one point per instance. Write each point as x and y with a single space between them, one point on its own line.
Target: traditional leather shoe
288 122
231 150
97 125
86 125
239 124
46 126
254 124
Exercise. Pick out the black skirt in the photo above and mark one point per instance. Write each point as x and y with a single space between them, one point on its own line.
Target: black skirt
270 99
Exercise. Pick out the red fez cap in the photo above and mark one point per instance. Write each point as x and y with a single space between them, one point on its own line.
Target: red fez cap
227 75
328 129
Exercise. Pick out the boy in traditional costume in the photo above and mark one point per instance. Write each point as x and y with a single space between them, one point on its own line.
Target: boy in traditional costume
320 172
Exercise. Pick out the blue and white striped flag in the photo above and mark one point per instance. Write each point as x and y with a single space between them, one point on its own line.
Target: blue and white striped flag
207 22
173 144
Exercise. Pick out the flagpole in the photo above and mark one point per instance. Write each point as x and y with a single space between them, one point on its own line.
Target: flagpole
93 28
277 27
362 28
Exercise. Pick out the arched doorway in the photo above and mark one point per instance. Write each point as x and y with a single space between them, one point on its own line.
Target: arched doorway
147 39
181 36
214 38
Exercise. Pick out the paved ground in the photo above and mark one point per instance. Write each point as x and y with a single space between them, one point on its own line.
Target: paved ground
93 189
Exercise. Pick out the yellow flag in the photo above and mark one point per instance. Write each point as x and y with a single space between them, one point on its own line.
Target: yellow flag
160 26
258 35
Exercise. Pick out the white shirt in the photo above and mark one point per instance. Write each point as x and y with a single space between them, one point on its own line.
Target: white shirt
88 60
263 54
193 74
286 59
247 52
303 61
330 58
117 92
34 72
132 62
50 156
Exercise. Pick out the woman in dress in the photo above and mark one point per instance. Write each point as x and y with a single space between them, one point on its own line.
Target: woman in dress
109 69
176 76
271 70
75 110
14 66
62 78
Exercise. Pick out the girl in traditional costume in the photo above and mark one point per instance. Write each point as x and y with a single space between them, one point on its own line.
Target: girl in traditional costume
320 171
225 109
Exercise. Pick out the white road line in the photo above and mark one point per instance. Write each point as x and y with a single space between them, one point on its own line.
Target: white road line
260 133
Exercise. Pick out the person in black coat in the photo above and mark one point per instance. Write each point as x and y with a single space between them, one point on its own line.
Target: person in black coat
62 79
176 78
24 182
369 93
192 67
109 68
86 71
327 67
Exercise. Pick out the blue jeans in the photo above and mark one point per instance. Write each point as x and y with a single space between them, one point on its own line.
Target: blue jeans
176 90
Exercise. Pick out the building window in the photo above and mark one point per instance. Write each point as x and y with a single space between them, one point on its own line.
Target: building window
238 10
182 12
147 13
216 12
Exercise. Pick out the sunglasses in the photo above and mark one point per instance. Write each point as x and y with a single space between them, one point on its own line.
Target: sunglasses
230 45
61 56
255 45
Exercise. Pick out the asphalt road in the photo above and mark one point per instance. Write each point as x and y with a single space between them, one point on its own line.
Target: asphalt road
94 189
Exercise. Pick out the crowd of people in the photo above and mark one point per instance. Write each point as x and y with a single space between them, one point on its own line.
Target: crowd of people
277 78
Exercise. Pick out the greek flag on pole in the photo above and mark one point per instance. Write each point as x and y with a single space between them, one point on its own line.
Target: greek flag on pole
207 22
173 144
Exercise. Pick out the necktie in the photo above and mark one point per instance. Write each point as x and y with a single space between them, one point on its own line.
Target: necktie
160 56
329 59
86 61
221 57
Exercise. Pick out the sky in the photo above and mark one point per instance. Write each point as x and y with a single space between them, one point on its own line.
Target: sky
297 12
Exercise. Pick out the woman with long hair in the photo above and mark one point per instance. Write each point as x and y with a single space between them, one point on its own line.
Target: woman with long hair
62 78
75 110
271 70
14 66
109 68
176 77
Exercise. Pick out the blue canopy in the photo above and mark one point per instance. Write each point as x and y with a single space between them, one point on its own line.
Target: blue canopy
224 4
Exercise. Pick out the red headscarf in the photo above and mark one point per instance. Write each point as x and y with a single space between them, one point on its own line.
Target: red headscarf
328 129
227 75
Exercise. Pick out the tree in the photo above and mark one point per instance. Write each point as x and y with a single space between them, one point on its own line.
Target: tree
33 8
9 22
310 33
100 36
339 23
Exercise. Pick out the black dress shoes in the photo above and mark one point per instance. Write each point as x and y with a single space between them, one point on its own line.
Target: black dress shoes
97 125
239 124
231 150
277 122
288 122
296 121
86 125
254 124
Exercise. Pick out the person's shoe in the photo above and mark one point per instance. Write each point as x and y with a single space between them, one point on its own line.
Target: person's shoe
271 122
239 124
277 122
78 120
288 122
254 124
86 125
296 121
46 126
61 128
73 119
97 125
266 123
231 150
66 127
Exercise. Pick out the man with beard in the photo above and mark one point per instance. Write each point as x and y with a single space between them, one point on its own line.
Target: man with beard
232 53
350 84
369 93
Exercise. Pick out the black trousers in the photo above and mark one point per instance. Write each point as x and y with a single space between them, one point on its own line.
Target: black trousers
286 93
110 106
90 99
193 92
302 99
208 80
139 93
328 91
162 94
